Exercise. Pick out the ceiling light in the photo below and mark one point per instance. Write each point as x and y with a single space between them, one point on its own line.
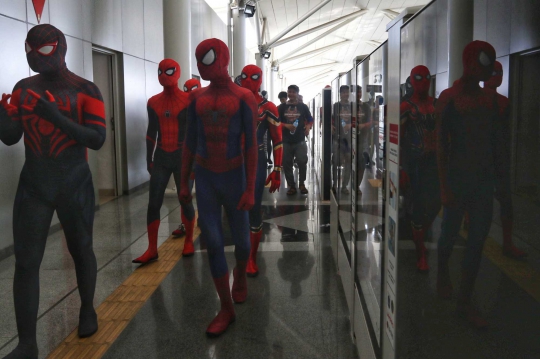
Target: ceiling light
267 54
249 10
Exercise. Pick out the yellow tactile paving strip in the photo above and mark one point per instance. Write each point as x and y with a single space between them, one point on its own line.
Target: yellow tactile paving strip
520 271
115 313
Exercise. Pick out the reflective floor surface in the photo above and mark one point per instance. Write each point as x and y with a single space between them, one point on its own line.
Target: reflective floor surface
295 309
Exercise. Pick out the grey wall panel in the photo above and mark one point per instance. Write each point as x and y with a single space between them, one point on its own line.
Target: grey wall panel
430 38
87 19
153 30
407 51
88 63
441 84
13 68
107 24
32 19
480 20
504 88
525 25
13 8
153 86
133 27
197 32
75 56
442 35
136 120
67 16
418 43
498 26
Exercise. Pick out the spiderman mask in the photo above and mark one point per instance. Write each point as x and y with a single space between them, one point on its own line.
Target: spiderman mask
420 80
478 60
46 49
251 78
168 73
192 84
212 59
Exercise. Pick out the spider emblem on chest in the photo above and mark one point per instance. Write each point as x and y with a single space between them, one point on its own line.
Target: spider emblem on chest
167 113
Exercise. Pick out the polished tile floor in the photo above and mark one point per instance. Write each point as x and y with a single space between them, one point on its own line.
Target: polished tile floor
296 306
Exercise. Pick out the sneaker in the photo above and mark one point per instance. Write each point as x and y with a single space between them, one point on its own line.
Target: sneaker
303 189
180 231
291 191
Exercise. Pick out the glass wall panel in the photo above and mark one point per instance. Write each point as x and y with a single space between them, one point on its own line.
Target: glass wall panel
369 196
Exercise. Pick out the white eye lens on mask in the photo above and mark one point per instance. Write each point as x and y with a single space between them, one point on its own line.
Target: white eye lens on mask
27 47
428 77
418 77
244 76
209 58
170 71
159 72
185 88
255 77
47 49
195 87
484 59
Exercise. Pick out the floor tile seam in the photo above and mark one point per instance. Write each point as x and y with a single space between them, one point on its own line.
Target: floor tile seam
176 244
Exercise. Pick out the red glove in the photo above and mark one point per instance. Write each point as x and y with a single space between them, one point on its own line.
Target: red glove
11 110
185 195
246 202
275 178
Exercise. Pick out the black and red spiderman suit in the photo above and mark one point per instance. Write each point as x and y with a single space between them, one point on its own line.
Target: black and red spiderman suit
191 85
60 115
251 79
221 139
164 140
469 134
418 126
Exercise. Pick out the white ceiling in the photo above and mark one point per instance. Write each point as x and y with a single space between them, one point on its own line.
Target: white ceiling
282 13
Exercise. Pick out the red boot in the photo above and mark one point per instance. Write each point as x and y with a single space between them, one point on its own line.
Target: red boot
151 253
226 315
509 249
189 249
418 238
239 288
252 269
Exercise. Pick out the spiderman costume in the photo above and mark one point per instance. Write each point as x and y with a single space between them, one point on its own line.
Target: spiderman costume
60 115
221 140
418 124
469 134
251 79
191 85
166 131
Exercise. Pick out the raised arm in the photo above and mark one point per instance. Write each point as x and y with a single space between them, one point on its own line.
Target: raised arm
91 133
272 116
11 129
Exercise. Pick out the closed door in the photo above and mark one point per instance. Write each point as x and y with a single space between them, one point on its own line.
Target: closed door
106 156
527 144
